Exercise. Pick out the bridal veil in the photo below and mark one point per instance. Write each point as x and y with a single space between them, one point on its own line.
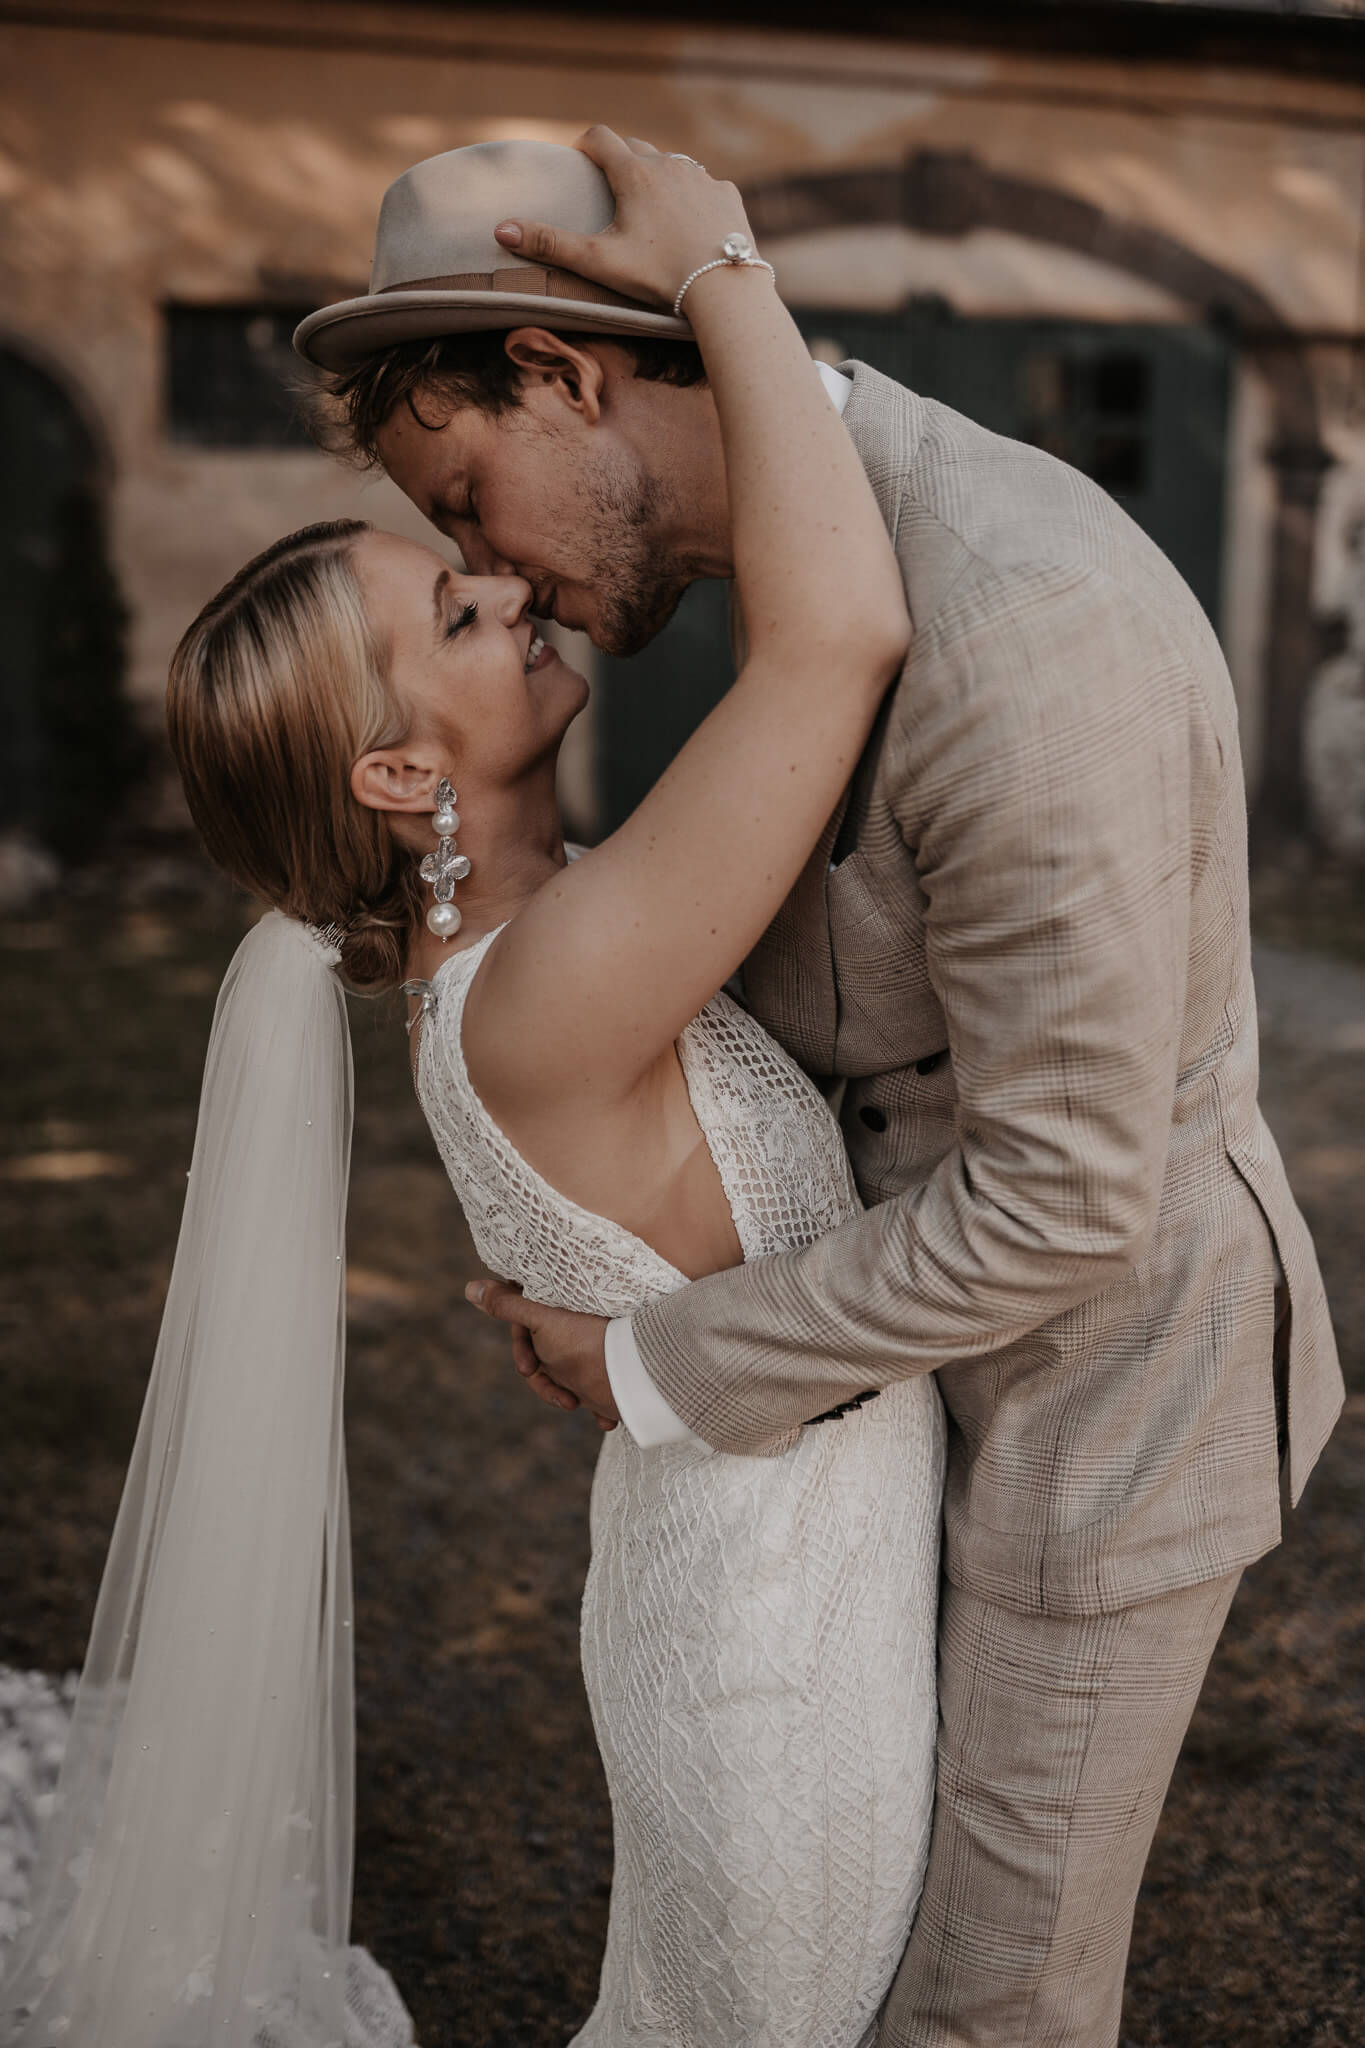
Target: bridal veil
194 1880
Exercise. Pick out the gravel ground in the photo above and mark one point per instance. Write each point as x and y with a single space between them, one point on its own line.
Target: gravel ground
484 1847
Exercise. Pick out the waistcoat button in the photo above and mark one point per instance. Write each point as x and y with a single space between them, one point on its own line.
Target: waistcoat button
930 1061
875 1119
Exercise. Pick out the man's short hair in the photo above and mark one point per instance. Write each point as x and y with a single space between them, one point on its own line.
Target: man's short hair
458 370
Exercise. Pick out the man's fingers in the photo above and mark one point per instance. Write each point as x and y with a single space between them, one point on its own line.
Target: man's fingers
551 1392
573 1350
548 1390
533 1372
524 1353
497 1298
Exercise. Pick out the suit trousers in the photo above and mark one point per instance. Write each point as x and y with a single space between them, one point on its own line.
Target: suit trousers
1057 1740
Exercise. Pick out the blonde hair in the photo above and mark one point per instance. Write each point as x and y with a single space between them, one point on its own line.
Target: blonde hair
275 692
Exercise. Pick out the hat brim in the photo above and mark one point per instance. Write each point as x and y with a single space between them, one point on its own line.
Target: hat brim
337 337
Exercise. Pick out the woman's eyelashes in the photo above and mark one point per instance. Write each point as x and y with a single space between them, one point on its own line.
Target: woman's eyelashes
464 617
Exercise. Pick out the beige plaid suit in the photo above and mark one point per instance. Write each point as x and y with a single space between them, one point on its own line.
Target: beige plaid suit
1030 966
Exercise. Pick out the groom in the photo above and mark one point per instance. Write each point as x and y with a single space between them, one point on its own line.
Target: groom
1022 946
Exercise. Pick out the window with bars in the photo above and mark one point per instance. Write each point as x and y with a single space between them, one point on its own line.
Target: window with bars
232 379
1092 411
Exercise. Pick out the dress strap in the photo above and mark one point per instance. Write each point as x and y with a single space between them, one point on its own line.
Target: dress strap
425 990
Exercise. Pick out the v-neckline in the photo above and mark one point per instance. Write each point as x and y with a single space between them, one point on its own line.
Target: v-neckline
677 1277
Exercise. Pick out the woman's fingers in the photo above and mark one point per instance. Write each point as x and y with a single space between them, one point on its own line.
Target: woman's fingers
608 150
559 247
670 218
556 247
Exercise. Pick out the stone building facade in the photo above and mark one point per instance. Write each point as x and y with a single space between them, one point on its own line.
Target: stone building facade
1149 254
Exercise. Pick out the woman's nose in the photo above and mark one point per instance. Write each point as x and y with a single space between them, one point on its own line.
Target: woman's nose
508 598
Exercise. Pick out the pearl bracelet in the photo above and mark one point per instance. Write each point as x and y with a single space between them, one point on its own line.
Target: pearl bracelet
738 254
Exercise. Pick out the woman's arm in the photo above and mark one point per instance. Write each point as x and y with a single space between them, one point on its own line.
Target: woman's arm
633 939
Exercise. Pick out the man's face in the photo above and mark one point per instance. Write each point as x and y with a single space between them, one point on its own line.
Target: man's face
545 493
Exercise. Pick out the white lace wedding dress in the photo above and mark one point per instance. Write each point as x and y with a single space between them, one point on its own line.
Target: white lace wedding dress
758 1633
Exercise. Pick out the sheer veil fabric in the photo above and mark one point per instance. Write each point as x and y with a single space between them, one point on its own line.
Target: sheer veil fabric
194 1880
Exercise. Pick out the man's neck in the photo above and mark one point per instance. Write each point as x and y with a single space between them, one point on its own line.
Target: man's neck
687 460
678 434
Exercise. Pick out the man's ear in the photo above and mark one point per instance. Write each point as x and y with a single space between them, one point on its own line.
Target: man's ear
397 779
556 359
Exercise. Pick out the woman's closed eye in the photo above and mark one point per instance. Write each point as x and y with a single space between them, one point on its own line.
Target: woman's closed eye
464 617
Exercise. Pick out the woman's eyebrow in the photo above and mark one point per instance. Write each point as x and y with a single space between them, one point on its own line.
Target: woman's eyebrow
438 591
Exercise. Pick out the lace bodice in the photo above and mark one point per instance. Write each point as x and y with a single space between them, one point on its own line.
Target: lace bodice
776 1146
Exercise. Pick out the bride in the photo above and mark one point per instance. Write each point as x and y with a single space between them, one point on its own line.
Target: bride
758 1633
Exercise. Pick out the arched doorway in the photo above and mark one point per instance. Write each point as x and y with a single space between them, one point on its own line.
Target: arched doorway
70 744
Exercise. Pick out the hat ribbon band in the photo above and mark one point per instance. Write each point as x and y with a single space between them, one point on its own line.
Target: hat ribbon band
530 278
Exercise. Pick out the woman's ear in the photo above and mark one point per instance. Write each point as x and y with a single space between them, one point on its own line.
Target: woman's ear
396 779
555 359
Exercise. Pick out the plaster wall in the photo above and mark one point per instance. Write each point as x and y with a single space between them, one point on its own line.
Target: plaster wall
196 152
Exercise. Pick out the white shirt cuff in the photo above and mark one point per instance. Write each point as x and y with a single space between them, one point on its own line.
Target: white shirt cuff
639 1403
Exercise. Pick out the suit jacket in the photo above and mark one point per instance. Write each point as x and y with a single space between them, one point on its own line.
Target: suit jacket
1030 965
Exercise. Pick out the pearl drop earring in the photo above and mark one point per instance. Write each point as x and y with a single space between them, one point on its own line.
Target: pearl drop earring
445 867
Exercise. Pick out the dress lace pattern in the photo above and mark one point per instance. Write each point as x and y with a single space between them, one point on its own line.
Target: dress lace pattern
758 1633
776 1147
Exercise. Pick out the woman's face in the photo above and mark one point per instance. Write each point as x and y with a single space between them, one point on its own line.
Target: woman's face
465 661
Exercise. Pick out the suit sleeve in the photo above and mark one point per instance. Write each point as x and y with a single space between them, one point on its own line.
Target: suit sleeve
1043 745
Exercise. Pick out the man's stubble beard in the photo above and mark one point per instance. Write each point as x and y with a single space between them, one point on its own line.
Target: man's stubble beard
636 586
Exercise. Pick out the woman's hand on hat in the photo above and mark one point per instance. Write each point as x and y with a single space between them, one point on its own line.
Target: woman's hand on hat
671 216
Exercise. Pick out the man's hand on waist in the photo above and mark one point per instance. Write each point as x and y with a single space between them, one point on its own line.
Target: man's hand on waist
561 1355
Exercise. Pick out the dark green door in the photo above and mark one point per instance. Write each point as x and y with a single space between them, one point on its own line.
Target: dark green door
1141 409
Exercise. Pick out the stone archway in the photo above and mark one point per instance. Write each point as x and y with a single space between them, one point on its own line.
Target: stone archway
71 747
950 194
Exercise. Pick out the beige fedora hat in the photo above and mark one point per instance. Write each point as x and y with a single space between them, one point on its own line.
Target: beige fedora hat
438 270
